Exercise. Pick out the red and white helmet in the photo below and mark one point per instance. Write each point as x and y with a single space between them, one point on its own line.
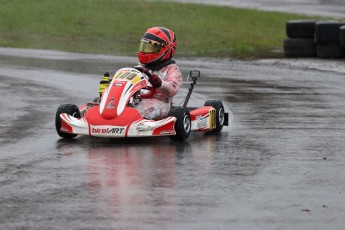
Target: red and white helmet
158 44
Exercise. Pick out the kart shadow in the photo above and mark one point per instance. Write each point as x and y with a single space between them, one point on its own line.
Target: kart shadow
194 138
195 144
144 143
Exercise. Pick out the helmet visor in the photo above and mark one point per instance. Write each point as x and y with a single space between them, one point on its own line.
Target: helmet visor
149 46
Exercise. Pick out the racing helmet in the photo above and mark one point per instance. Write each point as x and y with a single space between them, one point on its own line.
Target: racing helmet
158 44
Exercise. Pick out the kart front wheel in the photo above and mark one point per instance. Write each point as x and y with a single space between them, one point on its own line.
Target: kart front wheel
220 114
70 109
182 124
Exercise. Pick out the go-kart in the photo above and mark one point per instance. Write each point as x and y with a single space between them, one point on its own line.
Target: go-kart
114 115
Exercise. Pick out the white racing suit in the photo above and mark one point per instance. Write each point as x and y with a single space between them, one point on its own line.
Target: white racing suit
158 106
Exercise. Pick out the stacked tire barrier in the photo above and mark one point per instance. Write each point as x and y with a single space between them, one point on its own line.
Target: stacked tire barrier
322 39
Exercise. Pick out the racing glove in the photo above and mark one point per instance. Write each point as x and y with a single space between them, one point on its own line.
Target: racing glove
155 81
104 83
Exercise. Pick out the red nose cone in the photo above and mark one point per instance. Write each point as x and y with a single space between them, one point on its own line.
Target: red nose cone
110 110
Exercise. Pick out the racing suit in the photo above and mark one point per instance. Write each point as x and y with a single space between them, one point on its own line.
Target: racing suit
158 106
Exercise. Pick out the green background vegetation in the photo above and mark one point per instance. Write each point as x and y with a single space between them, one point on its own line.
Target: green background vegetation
116 26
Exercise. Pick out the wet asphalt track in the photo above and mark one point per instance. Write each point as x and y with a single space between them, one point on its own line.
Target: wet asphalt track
280 165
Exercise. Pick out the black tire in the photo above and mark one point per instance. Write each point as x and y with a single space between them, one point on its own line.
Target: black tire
342 36
332 50
182 124
300 29
327 32
299 47
220 114
70 109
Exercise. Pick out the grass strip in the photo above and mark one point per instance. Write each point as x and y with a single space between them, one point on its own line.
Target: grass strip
116 26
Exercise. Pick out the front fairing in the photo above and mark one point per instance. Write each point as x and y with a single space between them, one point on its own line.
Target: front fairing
116 96
129 124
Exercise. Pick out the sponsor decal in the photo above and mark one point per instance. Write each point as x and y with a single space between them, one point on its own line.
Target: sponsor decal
63 129
111 104
167 132
115 130
202 122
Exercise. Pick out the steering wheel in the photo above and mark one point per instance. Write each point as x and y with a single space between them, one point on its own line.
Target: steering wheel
151 90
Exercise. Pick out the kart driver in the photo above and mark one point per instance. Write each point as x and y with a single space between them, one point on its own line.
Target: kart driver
156 50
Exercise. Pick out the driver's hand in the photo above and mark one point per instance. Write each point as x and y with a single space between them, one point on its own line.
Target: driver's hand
155 81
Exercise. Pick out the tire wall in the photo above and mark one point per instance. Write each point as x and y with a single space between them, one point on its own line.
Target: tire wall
311 38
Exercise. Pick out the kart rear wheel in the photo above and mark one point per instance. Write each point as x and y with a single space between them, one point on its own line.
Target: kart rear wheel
220 114
182 124
70 109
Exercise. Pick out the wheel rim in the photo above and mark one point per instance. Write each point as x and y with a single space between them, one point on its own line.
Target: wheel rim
186 123
221 116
